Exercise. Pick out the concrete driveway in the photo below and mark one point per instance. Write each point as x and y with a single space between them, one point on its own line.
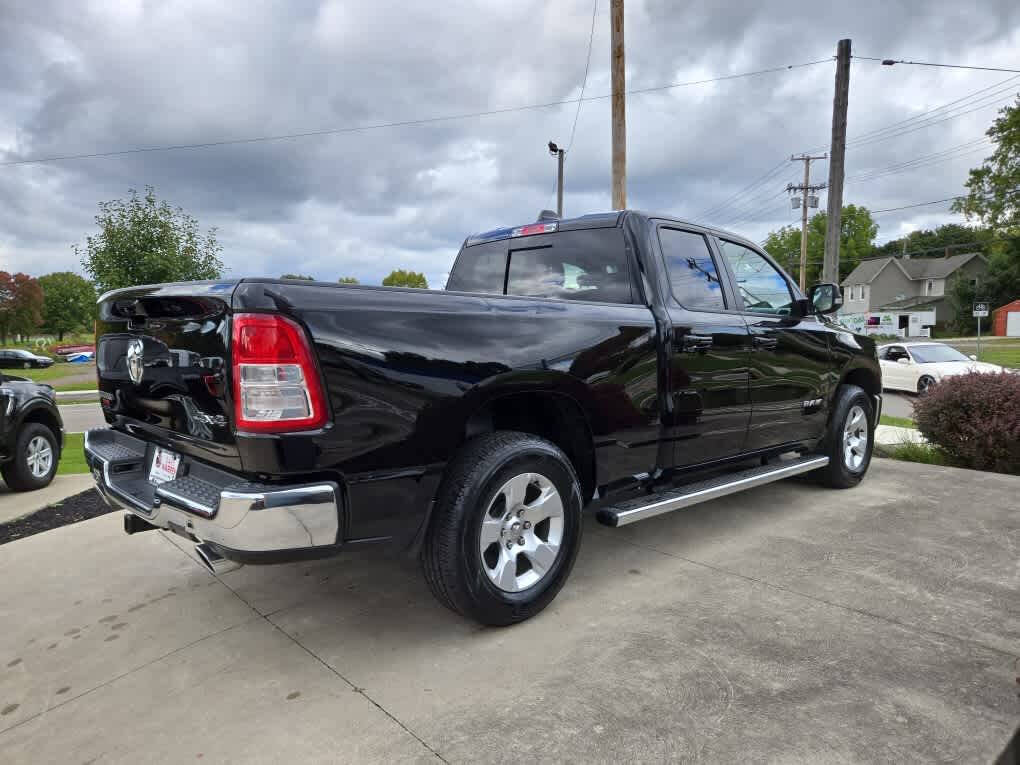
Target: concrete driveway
790 623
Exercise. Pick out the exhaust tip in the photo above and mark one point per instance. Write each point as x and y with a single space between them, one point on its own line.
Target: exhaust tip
213 561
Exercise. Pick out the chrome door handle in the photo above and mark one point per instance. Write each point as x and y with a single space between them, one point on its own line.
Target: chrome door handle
694 343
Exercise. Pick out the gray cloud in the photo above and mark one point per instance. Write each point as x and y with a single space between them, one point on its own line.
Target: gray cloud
77 80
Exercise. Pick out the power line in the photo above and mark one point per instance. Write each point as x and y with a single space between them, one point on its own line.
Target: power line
731 200
890 62
584 80
932 116
925 160
398 123
919 204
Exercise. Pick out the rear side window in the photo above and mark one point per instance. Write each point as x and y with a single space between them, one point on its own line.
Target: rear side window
572 265
480 268
693 276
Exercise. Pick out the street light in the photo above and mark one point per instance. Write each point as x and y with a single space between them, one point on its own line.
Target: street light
557 152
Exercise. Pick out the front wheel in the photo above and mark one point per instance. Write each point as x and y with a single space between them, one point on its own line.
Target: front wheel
924 384
28 365
849 440
505 530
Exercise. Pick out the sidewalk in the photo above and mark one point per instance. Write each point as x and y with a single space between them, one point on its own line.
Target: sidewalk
15 504
890 435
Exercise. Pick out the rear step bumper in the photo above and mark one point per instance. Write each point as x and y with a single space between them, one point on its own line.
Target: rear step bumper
236 520
649 506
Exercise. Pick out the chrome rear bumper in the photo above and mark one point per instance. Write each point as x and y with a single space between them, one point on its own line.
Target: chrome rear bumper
244 521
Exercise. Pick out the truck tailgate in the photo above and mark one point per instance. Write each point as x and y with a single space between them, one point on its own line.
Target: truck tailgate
162 358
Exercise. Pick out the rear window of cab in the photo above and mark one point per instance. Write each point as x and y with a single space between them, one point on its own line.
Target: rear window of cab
589 264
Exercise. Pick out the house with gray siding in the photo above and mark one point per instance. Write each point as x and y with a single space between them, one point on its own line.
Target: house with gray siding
905 286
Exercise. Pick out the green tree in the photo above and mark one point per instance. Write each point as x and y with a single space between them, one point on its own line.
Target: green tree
21 302
994 188
857 237
69 302
402 278
347 280
934 243
144 241
298 276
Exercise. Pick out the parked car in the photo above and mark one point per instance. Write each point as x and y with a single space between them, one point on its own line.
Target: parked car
17 358
623 363
31 433
915 367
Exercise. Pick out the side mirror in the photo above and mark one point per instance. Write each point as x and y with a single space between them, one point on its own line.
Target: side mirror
903 360
826 298
973 357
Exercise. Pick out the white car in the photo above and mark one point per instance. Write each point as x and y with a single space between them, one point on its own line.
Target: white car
917 366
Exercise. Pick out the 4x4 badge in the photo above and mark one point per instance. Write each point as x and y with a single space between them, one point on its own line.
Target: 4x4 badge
135 360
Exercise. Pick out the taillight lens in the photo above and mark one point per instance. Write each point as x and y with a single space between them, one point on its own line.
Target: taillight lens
276 385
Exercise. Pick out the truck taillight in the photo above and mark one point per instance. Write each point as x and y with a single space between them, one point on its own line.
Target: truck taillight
276 385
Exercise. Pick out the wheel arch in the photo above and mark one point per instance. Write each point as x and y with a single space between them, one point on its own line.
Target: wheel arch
42 414
552 414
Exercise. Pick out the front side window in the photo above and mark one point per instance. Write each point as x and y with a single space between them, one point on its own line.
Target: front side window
693 276
589 264
763 288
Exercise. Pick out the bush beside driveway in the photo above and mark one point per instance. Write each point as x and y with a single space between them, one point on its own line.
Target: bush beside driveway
789 622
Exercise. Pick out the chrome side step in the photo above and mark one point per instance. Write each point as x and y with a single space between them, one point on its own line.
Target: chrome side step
651 505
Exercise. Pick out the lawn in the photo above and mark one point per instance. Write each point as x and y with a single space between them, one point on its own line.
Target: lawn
1003 352
898 422
72 459
62 376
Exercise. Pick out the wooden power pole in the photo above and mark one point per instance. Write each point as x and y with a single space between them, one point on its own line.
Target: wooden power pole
837 155
619 106
805 201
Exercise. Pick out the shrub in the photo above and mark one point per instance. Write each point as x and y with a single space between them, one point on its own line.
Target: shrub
975 420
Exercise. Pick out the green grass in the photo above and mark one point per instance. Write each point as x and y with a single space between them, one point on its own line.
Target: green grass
1006 357
72 459
910 452
58 375
898 422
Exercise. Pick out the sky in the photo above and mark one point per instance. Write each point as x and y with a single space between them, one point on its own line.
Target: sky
95 77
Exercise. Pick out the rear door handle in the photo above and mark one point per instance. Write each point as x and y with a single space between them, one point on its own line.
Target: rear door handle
765 343
693 343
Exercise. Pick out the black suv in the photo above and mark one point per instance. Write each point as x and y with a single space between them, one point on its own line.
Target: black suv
31 433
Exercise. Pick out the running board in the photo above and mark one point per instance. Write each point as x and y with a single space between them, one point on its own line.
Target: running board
651 505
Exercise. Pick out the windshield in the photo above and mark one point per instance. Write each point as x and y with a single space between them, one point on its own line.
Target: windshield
934 354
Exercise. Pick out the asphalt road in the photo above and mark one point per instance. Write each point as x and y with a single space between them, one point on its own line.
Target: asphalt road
81 417
789 623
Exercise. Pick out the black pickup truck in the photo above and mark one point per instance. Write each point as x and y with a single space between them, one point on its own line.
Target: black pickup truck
623 362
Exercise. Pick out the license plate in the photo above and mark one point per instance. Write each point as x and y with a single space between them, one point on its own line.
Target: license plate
164 466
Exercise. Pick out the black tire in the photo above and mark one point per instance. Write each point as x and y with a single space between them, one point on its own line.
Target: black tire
17 473
924 384
451 559
838 474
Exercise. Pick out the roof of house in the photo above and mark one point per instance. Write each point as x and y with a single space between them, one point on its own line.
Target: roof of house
913 268
910 302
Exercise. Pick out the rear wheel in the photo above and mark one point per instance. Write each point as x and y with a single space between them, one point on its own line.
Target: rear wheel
36 455
505 530
849 440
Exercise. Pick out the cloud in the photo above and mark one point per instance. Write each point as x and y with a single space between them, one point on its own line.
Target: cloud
108 76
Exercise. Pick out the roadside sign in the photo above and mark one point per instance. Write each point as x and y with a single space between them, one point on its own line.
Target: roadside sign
980 309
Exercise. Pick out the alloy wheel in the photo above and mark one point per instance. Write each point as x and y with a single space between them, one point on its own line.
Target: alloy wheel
522 532
39 457
855 438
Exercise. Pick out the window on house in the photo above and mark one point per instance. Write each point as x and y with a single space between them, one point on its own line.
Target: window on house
974 283
929 287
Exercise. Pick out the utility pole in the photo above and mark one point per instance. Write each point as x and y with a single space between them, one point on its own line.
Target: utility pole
837 155
805 201
557 152
619 100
